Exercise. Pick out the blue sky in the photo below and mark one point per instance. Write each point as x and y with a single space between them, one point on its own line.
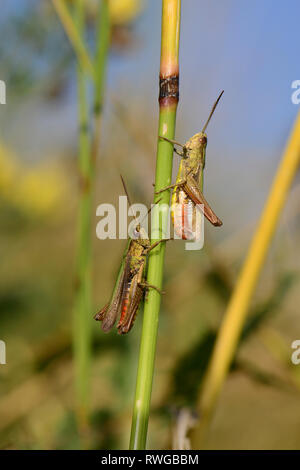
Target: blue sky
248 48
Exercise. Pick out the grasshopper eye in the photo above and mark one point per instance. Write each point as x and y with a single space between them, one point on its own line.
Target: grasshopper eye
136 232
203 140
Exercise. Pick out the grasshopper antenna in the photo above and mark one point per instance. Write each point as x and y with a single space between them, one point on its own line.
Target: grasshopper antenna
125 189
150 208
212 111
128 199
129 202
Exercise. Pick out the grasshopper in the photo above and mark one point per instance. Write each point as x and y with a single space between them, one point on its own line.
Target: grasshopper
130 284
187 191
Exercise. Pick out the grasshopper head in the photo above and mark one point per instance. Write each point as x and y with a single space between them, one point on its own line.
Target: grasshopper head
197 142
202 139
141 236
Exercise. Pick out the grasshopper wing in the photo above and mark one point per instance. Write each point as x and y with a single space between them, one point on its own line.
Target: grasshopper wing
192 190
109 313
132 297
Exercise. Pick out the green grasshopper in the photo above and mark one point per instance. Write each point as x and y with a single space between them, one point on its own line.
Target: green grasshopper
187 192
130 284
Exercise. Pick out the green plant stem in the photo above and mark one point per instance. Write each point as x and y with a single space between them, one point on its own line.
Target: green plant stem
82 324
167 116
103 38
237 309
74 36
86 165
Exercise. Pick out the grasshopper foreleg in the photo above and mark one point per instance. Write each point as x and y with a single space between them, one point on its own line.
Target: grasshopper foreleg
157 243
181 154
171 141
179 184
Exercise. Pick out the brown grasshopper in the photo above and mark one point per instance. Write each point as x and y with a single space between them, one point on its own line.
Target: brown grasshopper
187 191
130 284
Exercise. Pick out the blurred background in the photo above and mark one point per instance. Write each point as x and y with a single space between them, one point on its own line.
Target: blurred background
249 49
